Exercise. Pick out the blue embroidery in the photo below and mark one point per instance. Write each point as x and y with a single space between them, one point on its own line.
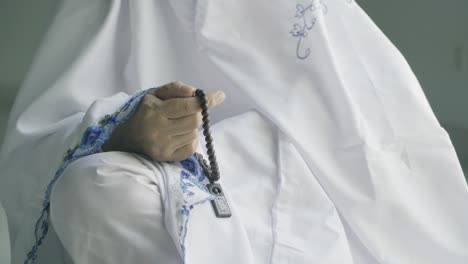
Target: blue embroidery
91 142
189 165
91 135
184 175
307 17
194 192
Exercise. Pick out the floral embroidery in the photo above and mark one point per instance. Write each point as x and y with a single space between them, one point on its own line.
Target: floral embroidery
91 135
189 165
189 192
307 16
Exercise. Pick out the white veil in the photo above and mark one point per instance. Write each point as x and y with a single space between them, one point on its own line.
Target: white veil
319 70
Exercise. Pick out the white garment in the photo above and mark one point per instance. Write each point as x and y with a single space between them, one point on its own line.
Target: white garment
350 116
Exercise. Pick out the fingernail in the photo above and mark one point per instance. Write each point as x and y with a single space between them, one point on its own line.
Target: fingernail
221 95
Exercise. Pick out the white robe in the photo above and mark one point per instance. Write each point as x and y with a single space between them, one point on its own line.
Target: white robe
349 121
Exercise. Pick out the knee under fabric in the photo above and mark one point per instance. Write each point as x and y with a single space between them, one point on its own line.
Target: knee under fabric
107 208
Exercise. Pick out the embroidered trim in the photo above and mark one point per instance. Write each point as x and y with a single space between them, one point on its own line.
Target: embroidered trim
91 142
191 191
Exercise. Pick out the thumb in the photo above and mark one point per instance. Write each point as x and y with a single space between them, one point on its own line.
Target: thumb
215 98
175 89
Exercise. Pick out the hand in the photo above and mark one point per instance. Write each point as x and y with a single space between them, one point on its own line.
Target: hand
165 125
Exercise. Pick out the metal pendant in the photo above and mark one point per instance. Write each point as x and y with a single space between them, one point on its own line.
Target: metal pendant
220 203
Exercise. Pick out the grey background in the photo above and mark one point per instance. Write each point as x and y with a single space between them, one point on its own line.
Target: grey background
432 34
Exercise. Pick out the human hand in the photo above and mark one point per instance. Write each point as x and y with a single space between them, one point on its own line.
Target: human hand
165 125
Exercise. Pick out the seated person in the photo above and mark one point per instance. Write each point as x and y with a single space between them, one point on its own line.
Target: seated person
327 149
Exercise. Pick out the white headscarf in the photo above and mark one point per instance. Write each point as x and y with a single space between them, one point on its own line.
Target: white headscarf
319 70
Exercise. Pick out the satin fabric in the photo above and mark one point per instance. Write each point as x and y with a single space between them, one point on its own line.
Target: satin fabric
350 116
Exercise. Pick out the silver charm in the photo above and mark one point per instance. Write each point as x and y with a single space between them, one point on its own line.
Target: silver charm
220 203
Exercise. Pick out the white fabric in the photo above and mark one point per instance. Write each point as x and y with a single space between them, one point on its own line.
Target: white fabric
355 136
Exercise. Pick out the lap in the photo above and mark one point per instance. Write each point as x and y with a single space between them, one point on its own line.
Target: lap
107 208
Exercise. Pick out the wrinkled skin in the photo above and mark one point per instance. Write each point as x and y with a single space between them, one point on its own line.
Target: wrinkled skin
165 125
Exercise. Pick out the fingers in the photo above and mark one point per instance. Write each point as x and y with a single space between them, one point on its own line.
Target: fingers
168 119
175 89
185 139
185 124
151 101
185 151
180 107
179 147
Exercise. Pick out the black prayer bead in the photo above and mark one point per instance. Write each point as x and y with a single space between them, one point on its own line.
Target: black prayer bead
208 139
215 176
210 152
212 159
212 169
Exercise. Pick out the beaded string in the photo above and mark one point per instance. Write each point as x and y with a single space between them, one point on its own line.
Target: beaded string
212 171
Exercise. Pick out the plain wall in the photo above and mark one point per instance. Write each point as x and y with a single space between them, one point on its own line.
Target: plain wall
433 36
22 26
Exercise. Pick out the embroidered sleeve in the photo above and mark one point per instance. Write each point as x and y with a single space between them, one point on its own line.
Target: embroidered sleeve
186 179
91 142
